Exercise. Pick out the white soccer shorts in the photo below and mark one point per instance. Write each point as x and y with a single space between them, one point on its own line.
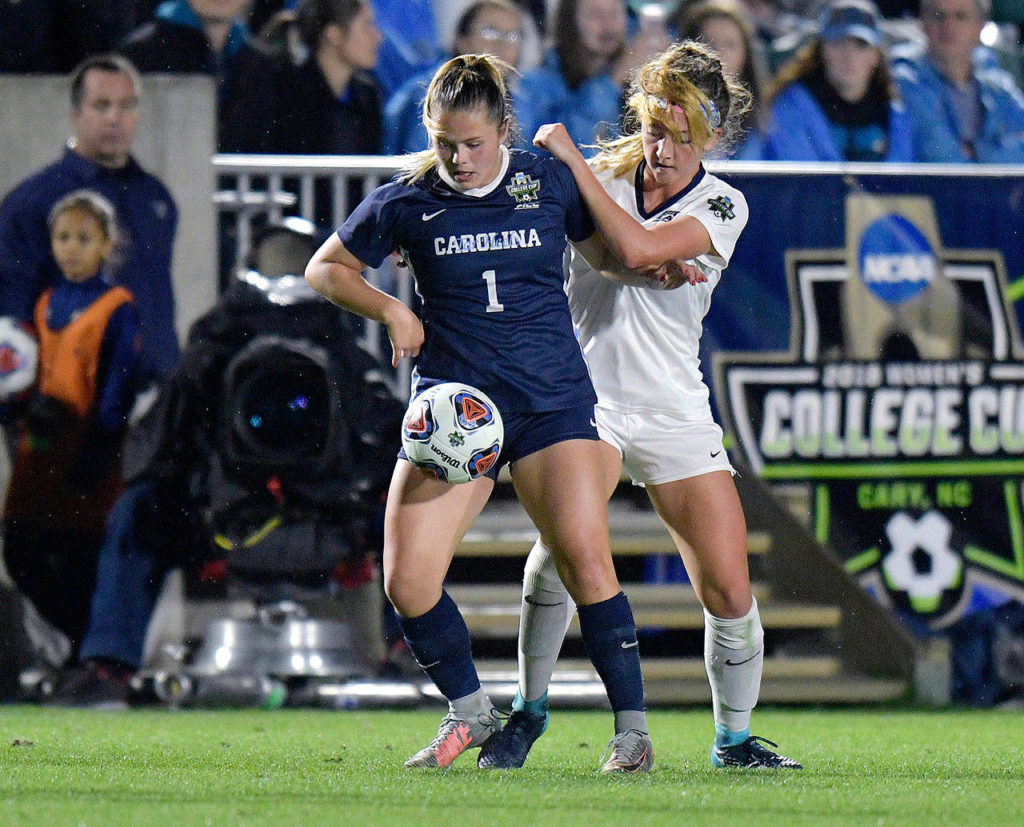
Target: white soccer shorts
657 448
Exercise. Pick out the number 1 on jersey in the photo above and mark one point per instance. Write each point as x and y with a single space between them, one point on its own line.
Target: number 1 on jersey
493 305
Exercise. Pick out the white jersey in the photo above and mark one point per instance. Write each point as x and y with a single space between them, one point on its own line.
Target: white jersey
642 344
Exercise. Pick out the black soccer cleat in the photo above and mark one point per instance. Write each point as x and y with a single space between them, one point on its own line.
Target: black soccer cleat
507 750
750 755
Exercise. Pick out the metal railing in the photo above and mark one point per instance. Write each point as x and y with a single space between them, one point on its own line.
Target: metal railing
253 190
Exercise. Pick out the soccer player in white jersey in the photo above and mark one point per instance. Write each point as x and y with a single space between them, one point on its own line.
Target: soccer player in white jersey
654 202
483 230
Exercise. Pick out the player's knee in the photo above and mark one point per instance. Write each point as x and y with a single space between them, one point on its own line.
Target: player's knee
727 600
405 594
590 577
540 574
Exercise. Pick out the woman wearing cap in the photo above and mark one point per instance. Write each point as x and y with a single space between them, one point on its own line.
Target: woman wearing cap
835 100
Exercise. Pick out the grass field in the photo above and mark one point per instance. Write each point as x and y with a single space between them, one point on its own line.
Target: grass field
151 767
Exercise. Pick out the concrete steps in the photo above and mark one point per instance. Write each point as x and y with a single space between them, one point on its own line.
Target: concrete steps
802 638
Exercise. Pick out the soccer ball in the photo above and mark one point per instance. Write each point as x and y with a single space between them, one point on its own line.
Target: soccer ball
454 431
19 359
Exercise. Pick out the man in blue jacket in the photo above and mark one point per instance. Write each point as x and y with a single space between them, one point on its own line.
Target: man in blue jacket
104 113
962 108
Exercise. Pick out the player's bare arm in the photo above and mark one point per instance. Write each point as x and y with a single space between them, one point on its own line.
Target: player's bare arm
335 273
667 276
632 244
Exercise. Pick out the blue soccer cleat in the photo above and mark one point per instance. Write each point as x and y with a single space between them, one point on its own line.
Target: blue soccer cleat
507 750
750 755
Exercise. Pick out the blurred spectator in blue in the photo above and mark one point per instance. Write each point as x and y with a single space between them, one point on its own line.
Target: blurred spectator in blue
411 44
726 26
486 27
836 100
531 45
537 9
582 79
209 37
333 106
962 108
105 91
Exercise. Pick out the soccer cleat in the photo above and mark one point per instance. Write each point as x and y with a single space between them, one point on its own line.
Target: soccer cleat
750 755
454 737
629 751
91 685
508 749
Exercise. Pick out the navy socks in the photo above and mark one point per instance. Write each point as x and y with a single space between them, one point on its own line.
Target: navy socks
439 641
609 636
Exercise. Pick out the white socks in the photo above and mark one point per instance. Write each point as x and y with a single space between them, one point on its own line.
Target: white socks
733 647
734 656
547 611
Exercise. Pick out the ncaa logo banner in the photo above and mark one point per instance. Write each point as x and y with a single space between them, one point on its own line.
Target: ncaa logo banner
896 417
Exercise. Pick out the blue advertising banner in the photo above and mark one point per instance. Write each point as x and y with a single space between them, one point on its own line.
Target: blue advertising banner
866 353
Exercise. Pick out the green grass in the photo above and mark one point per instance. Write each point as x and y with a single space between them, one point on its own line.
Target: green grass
345 768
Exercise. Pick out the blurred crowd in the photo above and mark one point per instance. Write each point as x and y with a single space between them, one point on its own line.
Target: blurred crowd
900 80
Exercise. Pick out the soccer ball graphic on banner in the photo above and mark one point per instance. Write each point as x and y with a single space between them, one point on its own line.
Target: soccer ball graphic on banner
453 430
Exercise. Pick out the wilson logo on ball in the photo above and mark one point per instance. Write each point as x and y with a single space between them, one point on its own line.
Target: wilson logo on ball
454 431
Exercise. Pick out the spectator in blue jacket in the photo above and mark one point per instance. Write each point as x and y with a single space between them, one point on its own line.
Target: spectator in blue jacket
105 91
410 44
581 81
835 100
962 109
486 27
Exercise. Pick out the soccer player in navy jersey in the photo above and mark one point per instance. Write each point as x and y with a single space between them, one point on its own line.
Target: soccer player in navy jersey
483 230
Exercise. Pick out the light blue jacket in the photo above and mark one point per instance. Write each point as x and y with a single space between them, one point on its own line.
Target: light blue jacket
935 134
590 111
403 116
798 130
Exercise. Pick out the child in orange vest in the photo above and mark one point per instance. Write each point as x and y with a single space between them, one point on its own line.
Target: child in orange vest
66 468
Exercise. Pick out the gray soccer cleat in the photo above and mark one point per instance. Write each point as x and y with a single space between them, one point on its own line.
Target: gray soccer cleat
629 751
454 737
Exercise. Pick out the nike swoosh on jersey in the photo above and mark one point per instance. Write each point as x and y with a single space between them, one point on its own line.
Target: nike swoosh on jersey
428 216
715 454
628 645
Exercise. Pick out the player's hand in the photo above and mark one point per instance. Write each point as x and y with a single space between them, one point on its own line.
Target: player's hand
679 272
554 137
675 273
405 331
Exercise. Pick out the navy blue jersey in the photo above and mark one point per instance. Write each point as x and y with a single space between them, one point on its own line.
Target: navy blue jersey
489 271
